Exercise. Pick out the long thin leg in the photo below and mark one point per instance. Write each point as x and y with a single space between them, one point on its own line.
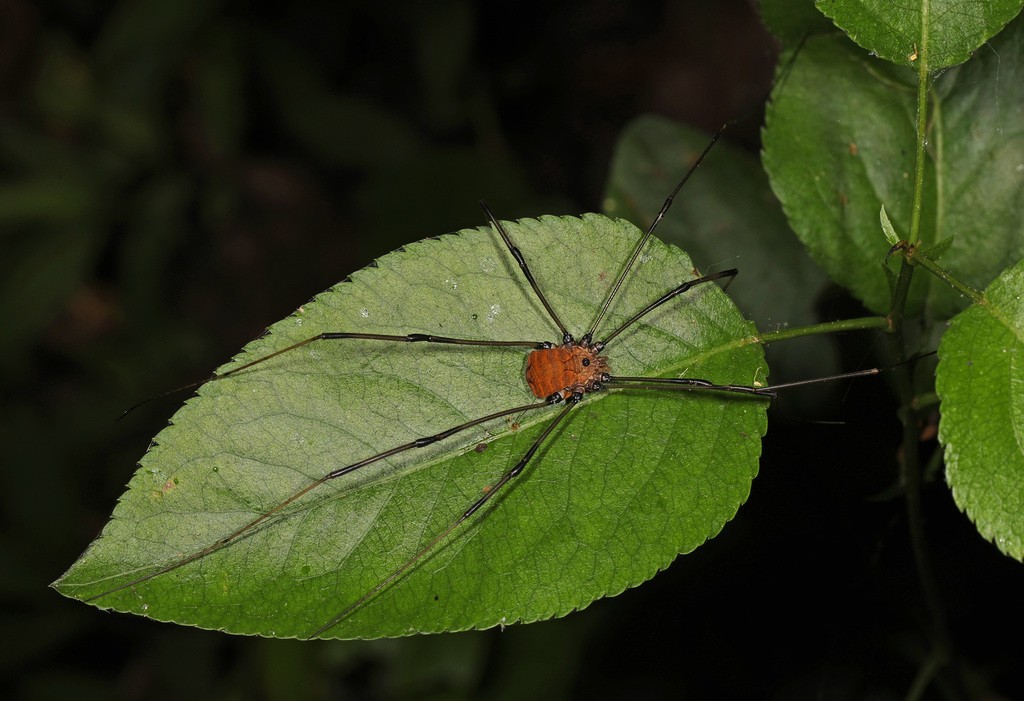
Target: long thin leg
340 335
690 383
684 383
407 338
830 378
588 337
418 443
466 515
650 230
731 273
517 254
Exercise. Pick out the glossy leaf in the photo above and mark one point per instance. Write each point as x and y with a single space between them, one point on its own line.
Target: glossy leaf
980 380
628 482
839 143
952 29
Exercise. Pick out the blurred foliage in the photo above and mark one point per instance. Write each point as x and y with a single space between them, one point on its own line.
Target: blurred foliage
175 174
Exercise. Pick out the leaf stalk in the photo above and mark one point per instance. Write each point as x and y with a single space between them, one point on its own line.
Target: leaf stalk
910 463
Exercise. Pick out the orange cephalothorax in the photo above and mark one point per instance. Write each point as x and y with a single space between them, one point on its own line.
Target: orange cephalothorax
567 369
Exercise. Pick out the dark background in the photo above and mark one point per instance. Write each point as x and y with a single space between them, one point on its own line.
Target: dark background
178 174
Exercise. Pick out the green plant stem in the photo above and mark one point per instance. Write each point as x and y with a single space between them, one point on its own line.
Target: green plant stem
923 86
916 257
910 477
910 464
858 324
898 306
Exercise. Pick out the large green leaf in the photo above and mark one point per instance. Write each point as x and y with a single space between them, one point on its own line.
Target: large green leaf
630 480
839 144
980 380
952 29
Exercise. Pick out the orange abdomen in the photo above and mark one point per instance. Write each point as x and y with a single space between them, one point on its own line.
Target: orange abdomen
564 370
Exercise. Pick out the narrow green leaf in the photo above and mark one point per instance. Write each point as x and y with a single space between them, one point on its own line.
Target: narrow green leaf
980 380
630 480
890 233
953 29
839 144
936 250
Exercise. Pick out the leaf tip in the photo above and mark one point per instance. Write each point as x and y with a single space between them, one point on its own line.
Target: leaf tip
887 227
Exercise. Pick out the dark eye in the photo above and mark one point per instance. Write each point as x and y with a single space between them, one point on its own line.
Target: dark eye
586 362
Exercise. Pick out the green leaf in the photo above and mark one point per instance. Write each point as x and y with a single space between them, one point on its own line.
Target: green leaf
725 216
980 380
890 233
936 250
630 480
839 143
952 29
